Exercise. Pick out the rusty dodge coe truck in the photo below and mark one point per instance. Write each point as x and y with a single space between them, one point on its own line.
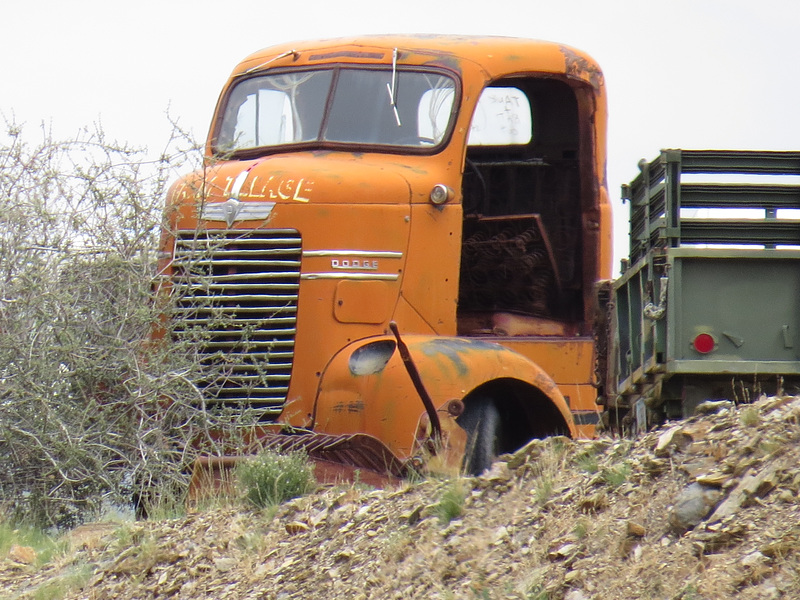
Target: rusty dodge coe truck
397 251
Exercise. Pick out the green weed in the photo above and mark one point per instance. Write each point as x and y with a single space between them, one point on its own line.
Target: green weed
270 478
537 592
59 587
580 530
749 416
616 476
451 504
587 462
690 592
543 490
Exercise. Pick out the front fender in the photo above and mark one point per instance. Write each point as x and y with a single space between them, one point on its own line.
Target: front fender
366 388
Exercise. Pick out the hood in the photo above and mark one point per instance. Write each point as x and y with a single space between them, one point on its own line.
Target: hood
303 178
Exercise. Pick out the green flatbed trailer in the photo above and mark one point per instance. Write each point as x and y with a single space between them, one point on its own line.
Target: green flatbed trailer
708 304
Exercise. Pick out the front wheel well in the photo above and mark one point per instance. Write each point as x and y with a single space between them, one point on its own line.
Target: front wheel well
525 412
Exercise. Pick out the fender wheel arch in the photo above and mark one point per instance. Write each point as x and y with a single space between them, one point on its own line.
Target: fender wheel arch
501 417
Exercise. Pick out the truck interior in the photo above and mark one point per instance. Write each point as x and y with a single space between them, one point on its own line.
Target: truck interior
522 248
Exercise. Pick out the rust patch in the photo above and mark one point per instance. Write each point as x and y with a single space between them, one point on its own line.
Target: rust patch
347 54
349 407
336 458
452 349
453 63
579 66
545 383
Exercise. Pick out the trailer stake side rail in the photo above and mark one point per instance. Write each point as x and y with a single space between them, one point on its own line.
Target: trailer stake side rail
708 304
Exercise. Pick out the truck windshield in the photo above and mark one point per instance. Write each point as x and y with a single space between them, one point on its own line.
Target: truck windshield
340 105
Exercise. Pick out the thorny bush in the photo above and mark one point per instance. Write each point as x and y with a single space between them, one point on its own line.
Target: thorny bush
91 414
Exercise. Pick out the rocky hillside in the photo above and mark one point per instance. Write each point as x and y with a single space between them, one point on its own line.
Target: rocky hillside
704 509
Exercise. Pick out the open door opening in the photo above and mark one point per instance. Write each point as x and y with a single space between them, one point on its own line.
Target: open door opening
521 257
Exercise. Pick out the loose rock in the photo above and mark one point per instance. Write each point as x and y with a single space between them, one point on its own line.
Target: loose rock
694 504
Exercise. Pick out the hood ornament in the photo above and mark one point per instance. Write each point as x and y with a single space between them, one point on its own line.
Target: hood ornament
230 209
233 210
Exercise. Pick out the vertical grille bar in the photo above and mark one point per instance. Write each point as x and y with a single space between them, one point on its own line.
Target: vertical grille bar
236 303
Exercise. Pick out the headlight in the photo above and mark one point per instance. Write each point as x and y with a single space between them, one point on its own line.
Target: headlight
371 358
441 194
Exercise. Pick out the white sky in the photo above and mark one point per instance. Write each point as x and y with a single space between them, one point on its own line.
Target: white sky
679 73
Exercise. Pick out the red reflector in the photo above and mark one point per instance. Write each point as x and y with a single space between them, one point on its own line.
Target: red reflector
704 343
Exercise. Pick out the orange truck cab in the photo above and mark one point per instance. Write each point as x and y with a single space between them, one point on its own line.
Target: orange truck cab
453 186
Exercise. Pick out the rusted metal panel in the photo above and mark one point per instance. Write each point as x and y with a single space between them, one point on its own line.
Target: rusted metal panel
336 458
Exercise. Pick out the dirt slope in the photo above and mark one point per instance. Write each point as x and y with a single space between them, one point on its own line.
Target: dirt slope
579 520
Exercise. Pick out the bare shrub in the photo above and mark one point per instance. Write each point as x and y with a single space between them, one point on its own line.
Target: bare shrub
90 411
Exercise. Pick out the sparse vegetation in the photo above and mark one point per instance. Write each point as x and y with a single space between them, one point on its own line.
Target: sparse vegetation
59 587
45 547
398 545
588 541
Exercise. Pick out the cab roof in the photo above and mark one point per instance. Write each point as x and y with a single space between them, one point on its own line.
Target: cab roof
496 56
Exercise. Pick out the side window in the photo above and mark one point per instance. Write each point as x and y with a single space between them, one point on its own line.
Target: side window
502 118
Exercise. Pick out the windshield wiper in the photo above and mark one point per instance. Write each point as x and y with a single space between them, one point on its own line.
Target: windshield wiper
392 89
292 53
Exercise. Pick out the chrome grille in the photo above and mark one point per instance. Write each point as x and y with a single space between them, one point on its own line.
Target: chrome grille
236 304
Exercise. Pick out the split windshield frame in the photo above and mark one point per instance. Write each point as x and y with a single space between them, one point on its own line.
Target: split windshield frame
392 72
